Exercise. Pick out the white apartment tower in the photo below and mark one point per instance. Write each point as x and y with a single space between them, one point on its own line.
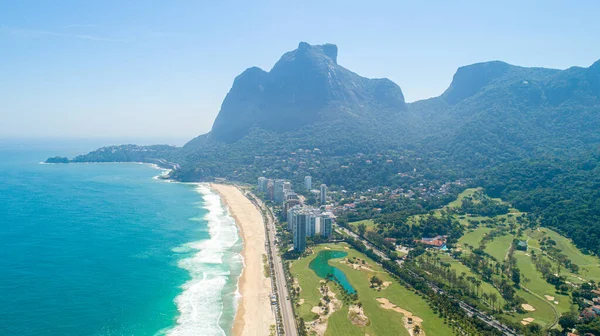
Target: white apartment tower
307 183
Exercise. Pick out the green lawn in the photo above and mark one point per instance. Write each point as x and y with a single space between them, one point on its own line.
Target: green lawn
460 268
499 246
473 237
543 314
457 203
589 265
369 223
383 322
586 263
538 284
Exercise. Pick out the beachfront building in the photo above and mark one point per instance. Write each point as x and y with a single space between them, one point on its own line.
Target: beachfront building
299 230
270 190
314 221
307 183
262 184
278 192
323 194
291 200
290 215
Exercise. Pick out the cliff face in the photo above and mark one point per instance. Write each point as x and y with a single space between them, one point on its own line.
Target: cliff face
305 86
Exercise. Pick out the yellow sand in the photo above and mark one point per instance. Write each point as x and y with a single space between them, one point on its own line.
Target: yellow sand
254 315
386 304
527 320
527 307
549 298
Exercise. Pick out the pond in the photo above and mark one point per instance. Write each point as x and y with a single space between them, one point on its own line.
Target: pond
320 265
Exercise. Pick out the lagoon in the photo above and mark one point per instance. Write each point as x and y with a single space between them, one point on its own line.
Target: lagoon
320 265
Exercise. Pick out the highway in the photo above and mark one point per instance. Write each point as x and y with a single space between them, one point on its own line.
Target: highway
284 306
471 311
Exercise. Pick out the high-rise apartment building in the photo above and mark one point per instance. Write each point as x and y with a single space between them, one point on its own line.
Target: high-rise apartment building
307 183
323 195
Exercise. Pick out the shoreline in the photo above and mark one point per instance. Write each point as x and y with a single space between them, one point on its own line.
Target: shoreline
253 313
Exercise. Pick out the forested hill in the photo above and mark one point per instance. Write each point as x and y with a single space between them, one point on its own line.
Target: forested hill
530 135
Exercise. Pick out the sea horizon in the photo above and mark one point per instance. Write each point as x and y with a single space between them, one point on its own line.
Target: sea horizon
109 249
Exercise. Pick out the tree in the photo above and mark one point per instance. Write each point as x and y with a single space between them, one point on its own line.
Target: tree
493 298
301 327
417 330
516 277
362 228
568 321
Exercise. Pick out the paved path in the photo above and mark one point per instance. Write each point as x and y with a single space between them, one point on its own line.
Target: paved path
288 320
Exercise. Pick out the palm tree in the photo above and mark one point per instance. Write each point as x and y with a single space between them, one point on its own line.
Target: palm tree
485 296
493 298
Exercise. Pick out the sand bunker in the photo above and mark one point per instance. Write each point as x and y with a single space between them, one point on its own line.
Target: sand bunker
549 298
528 307
324 311
385 284
301 301
527 320
409 319
358 265
357 316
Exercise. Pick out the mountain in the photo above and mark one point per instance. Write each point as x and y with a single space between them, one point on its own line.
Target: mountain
305 86
528 135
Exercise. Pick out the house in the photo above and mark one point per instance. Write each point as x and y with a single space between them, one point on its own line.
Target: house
595 291
437 241
587 314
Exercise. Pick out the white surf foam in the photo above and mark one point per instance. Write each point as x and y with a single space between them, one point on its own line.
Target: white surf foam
201 303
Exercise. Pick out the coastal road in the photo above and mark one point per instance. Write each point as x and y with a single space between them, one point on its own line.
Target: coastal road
284 303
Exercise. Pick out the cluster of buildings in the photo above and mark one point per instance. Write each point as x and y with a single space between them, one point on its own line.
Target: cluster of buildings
274 190
280 191
593 309
303 221
306 222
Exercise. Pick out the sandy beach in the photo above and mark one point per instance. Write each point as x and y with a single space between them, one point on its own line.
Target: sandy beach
254 315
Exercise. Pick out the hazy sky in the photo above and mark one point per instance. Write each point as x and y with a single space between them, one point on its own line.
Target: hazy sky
162 68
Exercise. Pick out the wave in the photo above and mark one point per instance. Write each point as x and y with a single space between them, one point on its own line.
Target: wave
203 301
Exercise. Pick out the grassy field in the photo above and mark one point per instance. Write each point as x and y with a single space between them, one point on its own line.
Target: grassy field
499 246
382 322
538 285
457 203
589 265
369 223
585 262
543 314
460 268
472 238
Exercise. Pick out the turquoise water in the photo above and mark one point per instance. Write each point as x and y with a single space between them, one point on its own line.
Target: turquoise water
106 249
322 268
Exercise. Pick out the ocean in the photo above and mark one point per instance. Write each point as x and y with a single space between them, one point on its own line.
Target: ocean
108 249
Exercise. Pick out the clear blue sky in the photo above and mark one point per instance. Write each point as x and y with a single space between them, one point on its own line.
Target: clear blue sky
161 68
